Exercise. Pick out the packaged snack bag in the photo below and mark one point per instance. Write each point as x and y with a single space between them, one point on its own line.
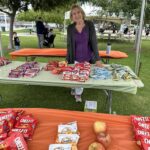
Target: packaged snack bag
14 142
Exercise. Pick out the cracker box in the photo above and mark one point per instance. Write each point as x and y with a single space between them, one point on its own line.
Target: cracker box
90 106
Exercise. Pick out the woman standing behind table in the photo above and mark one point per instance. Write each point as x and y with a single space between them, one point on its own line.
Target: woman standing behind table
81 43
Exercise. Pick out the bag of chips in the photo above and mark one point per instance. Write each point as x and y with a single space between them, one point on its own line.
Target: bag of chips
10 116
14 142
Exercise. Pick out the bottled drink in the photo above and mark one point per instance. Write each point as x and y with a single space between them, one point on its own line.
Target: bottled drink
108 50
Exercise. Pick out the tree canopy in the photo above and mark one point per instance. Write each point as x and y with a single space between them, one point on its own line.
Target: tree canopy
50 16
11 7
127 7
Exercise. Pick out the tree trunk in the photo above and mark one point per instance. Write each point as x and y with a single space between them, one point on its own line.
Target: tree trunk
12 18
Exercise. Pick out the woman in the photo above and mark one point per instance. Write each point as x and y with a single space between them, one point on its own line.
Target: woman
81 43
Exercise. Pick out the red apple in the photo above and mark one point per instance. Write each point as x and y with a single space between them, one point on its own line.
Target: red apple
99 127
104 138
96 146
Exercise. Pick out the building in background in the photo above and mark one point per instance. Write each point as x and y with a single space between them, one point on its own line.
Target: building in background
4 22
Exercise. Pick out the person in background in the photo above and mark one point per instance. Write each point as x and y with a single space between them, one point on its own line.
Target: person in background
47 39
147 30
16 41
46 30
40 28
50 33
81 43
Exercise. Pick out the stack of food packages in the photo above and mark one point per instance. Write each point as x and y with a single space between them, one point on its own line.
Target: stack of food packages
67 137
4 61
121 72
56 67
28 69
79 72
142 131
98 73
15 128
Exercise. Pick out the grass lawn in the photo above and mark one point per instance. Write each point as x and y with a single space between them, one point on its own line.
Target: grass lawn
60 98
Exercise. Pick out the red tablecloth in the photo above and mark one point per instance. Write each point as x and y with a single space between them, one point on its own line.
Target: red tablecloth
60 52
119 128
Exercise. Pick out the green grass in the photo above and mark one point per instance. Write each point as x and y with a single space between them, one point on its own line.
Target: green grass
18 31
60 98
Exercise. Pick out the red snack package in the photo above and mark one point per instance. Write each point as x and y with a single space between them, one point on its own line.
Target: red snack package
136 119
26 130
145 144
79 65
62 64
4 127
54 63
10 116
85 71
56 71
83 77
75 75
3 136
3 112
139 134
19 113
142 126
68 68
67 75
25 120
49 67
14 142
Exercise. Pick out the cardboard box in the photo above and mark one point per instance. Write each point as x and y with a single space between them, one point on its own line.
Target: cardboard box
90 106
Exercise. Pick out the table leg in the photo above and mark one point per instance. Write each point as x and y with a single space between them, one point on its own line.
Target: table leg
104 61
33 58
1 98
107 60
109 100
26 58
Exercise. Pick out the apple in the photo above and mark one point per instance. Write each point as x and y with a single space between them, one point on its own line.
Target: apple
99 127
96 146
104 138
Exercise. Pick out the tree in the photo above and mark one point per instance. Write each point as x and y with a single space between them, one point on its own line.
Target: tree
46 5
10 7
128 7
49 16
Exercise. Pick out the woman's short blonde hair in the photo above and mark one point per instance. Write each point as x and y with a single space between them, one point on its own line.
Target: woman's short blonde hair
81 10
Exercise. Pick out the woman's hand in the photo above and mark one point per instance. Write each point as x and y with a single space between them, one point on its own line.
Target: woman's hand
99 64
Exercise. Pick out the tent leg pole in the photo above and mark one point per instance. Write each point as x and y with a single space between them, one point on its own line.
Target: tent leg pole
1 51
